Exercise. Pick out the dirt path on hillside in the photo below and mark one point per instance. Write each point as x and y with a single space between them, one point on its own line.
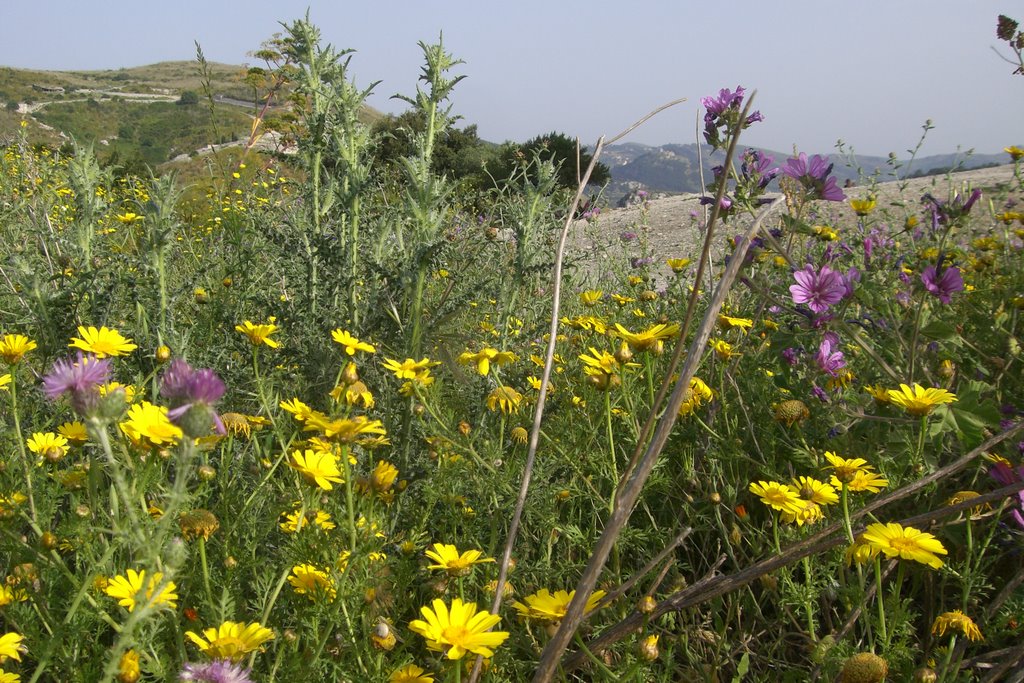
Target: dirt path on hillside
671 227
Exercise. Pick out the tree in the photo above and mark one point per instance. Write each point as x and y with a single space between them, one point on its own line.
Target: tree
560 149
188 98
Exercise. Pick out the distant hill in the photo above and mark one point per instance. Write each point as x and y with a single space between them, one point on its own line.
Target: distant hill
676 168
147 115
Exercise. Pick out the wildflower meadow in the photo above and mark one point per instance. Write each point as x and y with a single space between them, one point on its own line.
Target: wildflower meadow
313 418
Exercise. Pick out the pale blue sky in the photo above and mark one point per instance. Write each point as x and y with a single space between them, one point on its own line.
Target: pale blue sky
867 71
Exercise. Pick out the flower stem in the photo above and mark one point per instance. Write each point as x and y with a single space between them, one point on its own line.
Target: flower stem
846 512
26 465
879 599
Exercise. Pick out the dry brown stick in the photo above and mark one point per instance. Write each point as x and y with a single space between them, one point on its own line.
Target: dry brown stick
691 305
556 298
818 542
997 673
629 493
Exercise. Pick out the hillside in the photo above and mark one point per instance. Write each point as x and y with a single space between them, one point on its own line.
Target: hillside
676 168
147 115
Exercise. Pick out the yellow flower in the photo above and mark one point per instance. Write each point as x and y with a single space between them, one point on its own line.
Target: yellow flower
5 379
485 356
846 468
918 400
148 425
519 435
110 387
294 521
792 411
128 668
350 343
14 346
410 673
48 445
383 476
722 349
728 323
1014 151
346 429
129 217
127 589
964 496
878 392
862 207
649 338
696 395
259 334
11 647
102 342
872 482
409 368
814 491
447 557
777 496
231 640
505 399
551 607
825 233
956 621
9 595
312 582
677 264
906 543
622 300
807 513
198 522
299 410
591 296
860 552
318 467
73 431
458 630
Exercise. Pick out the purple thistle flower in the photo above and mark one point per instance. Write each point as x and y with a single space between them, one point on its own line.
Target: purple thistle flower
81 378
217 671
192 394
813 174
829 358
818 290
943 285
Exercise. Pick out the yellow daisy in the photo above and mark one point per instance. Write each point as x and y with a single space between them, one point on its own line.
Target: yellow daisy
410 673
314 583
448 558
259 334
906 543
148 425
505 399
102 342
485 356
551 607
133 589
14 346
777 496
458 630
318 467
11 647
956 621
350 343
48 445
231 640
918 400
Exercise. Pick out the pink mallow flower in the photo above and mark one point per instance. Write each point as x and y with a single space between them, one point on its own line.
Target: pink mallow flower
818 289
943 285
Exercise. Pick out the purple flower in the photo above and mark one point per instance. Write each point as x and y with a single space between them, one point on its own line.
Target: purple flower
852 277
818 290
1006 475
192 394
641 262
627 236
829 358
723 112
813 174
944 213
81 378
819 393
789 355
217 671
942 285
757 168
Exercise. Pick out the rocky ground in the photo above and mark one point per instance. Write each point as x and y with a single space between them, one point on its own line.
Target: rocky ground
670 227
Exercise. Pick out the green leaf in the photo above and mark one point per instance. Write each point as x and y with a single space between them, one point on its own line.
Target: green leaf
743 668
